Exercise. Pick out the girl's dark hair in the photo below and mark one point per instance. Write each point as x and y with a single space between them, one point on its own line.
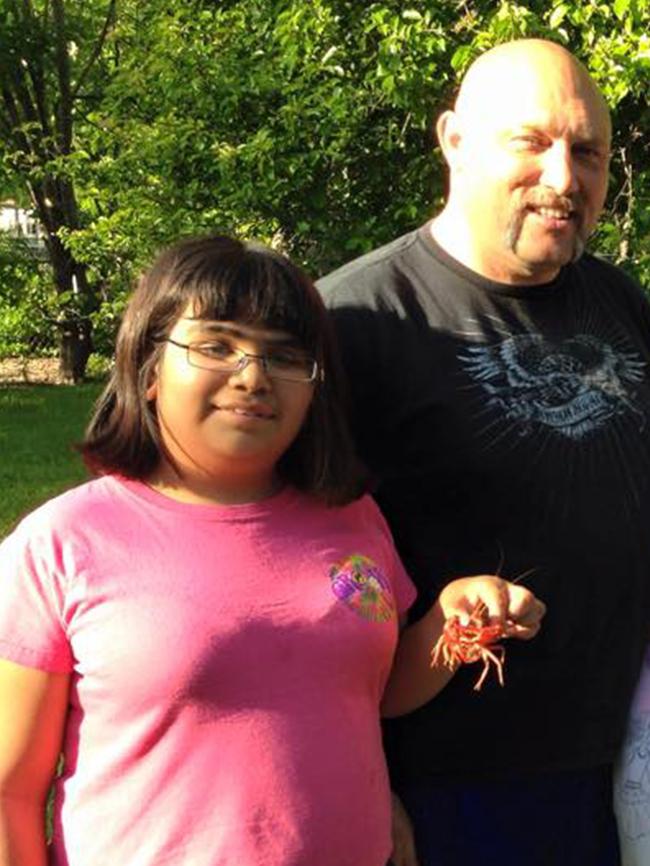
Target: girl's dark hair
225 279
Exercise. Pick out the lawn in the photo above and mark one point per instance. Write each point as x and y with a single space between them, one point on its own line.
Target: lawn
38 426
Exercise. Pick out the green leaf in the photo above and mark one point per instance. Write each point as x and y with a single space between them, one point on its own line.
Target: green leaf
558 15
411 15
331 51
461 58
620 8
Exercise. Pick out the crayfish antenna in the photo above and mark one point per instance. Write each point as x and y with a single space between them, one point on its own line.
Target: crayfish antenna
502 557
524 574
502 562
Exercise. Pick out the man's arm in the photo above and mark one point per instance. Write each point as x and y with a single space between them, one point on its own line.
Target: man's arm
33 706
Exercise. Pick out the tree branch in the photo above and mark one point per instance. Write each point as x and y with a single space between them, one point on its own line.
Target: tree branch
35 65
627 193
64 113
24 81
20 140
39 200
94 54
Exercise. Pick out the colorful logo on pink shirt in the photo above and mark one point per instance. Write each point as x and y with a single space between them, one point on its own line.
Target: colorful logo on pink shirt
358 583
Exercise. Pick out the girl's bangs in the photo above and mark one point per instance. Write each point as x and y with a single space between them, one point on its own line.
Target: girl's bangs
261 292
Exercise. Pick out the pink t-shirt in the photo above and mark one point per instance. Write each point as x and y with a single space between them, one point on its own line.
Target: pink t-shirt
227 665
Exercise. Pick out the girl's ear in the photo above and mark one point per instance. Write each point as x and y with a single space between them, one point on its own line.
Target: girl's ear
152 388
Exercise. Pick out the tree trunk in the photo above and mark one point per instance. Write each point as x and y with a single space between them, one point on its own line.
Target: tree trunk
75 346
75 329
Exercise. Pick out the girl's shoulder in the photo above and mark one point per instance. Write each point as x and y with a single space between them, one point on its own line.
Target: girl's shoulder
69 510
363 511
367 507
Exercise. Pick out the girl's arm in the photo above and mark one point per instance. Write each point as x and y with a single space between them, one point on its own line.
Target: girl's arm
33 707
413 681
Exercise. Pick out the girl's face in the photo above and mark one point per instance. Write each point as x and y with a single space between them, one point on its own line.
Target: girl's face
226 429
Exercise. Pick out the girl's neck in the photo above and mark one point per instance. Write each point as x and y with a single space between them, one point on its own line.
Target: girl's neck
209 491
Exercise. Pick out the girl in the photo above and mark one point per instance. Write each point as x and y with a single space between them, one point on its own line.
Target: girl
206 628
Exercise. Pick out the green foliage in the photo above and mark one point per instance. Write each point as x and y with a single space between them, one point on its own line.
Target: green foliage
24 293
307 128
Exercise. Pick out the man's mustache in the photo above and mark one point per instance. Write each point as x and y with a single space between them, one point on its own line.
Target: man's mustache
564 204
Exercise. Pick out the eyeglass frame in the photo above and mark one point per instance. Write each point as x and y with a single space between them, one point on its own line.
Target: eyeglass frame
244 360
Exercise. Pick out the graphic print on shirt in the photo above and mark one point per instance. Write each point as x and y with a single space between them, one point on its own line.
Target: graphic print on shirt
632 782
359 584
573 387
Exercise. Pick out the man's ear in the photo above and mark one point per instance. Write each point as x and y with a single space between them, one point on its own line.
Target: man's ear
448 130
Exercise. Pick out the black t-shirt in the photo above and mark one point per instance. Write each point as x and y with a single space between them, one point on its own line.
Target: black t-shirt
509 430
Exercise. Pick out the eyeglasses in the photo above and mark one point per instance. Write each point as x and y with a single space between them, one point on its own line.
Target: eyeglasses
290 365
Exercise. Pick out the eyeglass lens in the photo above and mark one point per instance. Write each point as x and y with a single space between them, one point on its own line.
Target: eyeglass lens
281 364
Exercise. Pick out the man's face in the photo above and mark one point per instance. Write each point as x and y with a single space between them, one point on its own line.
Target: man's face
531 176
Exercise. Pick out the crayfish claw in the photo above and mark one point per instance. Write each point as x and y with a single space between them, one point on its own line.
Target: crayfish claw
464 643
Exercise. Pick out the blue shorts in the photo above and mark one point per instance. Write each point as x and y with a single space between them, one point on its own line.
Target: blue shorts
555 819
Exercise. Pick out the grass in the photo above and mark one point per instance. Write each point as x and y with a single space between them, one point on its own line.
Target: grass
38 426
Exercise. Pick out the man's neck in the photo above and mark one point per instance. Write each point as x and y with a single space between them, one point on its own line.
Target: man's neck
454 235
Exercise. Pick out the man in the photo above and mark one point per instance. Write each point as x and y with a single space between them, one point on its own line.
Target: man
500 387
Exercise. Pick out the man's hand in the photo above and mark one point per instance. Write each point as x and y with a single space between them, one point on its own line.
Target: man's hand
403 841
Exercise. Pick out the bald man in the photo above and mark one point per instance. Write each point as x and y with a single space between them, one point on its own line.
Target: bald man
501 395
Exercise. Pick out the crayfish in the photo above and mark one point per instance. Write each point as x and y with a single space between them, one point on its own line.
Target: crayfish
471 642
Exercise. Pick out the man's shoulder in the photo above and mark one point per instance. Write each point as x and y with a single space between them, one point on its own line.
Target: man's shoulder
612 282
599 267
368 273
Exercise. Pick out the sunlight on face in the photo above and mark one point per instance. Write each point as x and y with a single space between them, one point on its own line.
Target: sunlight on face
225 429
529 175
